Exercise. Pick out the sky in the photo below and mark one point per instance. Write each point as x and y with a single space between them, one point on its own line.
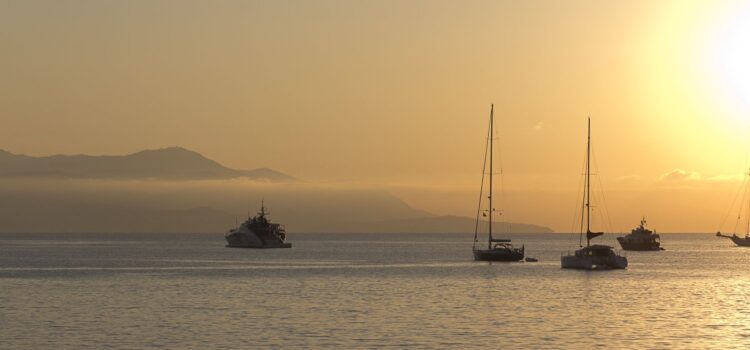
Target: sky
396 95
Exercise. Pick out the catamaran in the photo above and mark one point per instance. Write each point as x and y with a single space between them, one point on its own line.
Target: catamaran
596 256
498 249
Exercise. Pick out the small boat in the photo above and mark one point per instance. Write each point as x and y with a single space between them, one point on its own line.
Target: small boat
258 232
597 256
742 218
529 259
498 249
640 238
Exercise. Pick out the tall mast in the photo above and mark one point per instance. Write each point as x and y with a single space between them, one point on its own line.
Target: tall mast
492 136
588 184
747 219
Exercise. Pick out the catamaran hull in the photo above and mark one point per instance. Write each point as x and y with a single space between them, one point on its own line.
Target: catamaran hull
498 255
593 263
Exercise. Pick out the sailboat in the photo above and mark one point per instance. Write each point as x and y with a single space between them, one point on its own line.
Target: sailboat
497 249
741 241
596 256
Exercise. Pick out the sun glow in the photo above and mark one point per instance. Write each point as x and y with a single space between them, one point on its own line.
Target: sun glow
734 58
693 82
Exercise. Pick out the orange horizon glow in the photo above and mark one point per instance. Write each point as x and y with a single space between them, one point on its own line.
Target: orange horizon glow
395 95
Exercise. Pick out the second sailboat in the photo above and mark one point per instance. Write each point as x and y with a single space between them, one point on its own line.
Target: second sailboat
592 256
497 249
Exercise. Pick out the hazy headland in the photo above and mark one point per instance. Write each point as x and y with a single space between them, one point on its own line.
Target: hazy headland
178 190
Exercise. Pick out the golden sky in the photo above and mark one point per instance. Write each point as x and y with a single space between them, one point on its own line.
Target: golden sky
397 93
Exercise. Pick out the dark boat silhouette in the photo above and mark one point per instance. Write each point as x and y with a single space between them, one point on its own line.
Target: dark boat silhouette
740 241
597 256
497 249
258 232
743 218
640 238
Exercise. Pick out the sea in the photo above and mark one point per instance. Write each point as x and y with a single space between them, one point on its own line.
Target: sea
364 291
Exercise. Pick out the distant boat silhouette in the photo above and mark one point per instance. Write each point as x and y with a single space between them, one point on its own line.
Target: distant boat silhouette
258 232
595 256
640 238
741 241
497 249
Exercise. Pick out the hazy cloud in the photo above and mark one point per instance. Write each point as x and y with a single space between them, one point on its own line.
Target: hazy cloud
685 175
680 175
632 177
725 177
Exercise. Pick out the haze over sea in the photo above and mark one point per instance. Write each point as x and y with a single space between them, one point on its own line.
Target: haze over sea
416 291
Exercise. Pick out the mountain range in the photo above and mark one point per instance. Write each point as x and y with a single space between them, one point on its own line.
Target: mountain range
173 163
82 193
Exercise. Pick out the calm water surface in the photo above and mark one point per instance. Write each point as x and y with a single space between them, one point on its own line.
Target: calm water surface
186 291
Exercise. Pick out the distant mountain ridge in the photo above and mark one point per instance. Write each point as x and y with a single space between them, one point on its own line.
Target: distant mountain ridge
100 217
422 224
68 205
172 163
125 206
447 224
